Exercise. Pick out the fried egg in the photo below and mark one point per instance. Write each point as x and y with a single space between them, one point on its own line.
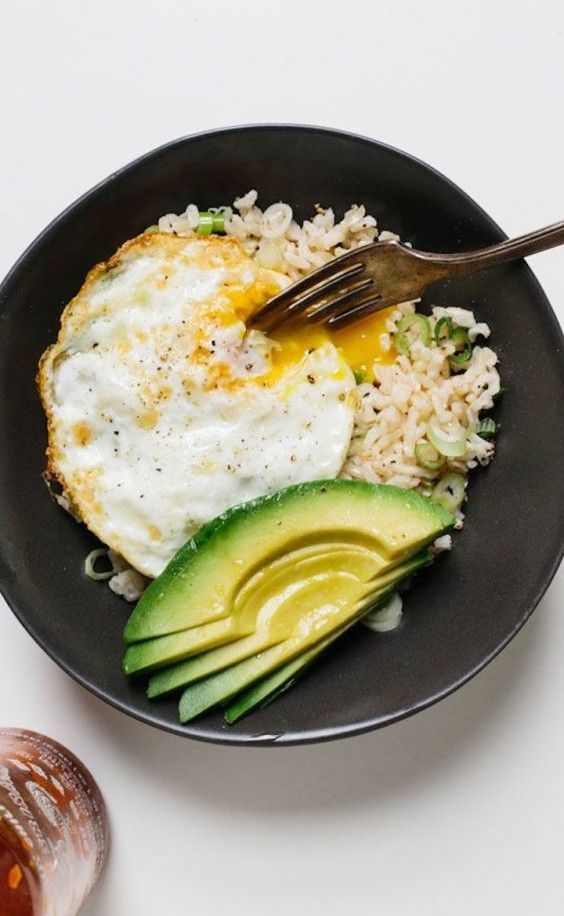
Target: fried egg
164 410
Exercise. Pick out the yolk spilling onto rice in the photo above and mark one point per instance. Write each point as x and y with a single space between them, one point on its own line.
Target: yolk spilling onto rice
360 343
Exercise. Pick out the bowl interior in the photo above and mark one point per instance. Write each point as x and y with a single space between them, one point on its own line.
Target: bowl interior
460 613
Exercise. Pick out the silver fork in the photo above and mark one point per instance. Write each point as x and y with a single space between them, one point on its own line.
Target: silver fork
381 274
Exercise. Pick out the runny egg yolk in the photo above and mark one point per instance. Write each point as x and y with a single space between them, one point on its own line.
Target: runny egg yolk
360 343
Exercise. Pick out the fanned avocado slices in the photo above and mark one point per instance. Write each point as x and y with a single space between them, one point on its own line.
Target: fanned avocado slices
260 591
264 606
195 669
266 690
154 653
220 688
200 583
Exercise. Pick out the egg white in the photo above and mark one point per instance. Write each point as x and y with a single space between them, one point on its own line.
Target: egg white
163 411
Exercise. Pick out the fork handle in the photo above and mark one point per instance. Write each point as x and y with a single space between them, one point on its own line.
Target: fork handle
469 261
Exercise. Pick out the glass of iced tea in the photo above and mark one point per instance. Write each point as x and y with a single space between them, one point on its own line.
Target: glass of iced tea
53 827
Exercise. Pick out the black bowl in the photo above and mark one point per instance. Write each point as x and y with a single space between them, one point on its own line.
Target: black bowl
460 613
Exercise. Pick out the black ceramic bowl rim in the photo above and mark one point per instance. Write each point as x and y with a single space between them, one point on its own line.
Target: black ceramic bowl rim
14 597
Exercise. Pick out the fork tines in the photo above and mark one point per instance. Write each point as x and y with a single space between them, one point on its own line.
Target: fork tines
311 298
362 307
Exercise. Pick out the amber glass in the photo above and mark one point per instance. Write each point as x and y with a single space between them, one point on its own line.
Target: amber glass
53 827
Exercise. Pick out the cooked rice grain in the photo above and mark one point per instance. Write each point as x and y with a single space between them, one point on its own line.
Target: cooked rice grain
279 242
393 411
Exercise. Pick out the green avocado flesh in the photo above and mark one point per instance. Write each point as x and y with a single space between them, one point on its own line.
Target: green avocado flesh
272 582
266 690
220 688
200 583
195 669
154 653
250 606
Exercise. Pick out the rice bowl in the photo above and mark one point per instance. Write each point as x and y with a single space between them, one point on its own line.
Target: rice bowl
465 611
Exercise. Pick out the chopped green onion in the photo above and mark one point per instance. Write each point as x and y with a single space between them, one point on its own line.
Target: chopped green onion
463 355
90 564
154 228
459 337
487 428
205 223
449 440
219 222
386 617
359 376
428 457
449 492
460 360
211 221
443 330
412 328
501 392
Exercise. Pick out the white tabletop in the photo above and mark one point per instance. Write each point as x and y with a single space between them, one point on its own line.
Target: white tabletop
460 809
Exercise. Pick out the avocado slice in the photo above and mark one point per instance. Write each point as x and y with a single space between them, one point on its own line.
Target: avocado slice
270 632
194 669
265 607
202 581
264 604
269 688
154 653
265 691
314 632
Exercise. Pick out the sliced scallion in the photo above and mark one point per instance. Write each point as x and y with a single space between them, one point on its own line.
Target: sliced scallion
387 617
449 492
210 221
90 565
359 376
443 329
428 457
449 439
460 359
487 428
412 328
205 223
218 221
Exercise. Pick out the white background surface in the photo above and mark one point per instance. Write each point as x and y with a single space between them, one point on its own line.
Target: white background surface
459 810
